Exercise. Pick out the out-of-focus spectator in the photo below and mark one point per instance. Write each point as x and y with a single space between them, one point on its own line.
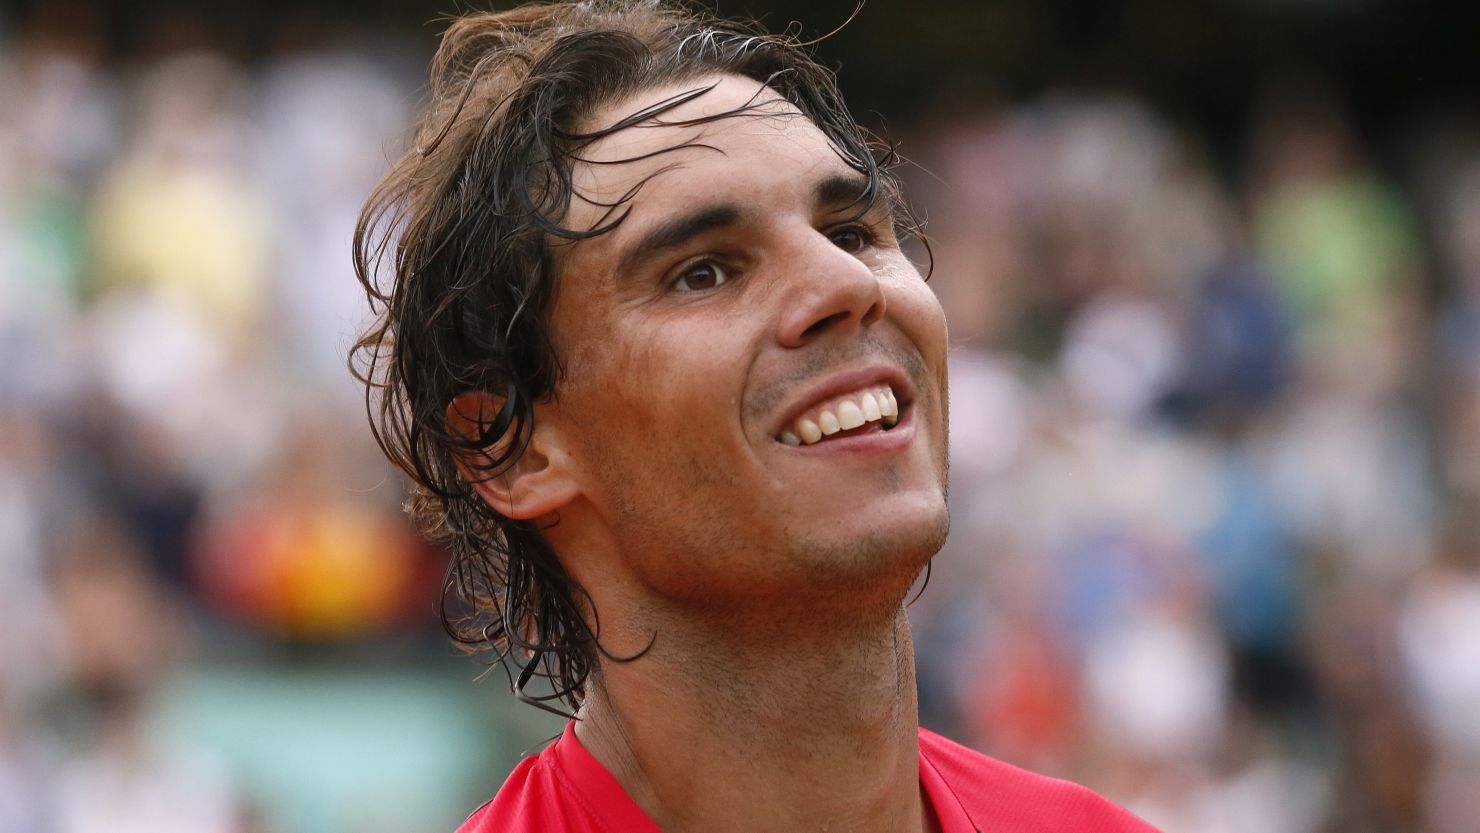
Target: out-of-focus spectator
178 214
175 312
123 637
1339 238
296 559
328 122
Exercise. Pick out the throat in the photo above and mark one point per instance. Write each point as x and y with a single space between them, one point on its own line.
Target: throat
806 722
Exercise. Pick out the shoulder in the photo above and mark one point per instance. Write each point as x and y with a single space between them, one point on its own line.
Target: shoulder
1001 797
564 789
532 800
516 800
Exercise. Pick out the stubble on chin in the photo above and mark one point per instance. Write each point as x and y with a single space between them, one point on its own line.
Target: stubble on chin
872 572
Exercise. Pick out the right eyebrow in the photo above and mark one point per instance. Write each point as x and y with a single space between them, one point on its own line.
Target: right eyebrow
842 190
677 231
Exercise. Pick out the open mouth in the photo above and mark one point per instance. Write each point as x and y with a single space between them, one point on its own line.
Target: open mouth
864 411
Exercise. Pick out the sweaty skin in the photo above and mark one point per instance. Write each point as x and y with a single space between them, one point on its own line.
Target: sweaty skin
778 692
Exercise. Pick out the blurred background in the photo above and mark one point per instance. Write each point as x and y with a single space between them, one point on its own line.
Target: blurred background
1213 274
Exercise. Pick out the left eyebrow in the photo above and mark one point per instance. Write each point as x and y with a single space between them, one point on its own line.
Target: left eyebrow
836 191
676 232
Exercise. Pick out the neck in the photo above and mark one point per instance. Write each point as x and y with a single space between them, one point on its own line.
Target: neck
823 725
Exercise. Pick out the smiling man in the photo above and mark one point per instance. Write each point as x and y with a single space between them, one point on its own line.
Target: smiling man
674 400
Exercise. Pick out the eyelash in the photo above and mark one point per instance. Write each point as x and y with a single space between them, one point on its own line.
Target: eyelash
689 269
866 238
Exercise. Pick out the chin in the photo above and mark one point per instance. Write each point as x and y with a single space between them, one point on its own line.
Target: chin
882 548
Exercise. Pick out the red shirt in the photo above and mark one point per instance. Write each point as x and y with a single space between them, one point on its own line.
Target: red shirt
565 790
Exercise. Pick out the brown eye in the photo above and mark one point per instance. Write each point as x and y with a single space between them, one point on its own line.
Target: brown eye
701 276
851 239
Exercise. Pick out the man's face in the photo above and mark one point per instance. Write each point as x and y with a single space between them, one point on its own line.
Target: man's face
732 317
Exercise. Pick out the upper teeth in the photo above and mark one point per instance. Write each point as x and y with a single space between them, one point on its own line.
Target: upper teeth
842 413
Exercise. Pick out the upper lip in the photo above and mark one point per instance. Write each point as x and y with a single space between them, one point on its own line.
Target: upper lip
846 382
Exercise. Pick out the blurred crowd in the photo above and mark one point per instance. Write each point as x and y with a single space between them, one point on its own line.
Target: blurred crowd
185 472
1215 545
1215 428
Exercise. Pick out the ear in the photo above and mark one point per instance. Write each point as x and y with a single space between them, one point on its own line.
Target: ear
536 484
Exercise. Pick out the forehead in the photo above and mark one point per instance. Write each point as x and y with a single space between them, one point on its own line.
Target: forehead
739 140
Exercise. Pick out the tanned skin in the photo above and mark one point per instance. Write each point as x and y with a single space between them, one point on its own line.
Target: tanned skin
766 581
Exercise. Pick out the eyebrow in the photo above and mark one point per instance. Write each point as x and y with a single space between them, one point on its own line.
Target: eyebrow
842 190
677 231
837 190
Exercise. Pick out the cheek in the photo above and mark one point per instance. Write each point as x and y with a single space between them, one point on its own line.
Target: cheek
678 375
661 440
914 305
917 311
658 400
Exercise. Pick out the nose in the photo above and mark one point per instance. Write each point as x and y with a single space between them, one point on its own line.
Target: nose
831 290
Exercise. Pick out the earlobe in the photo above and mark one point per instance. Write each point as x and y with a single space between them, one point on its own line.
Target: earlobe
534 484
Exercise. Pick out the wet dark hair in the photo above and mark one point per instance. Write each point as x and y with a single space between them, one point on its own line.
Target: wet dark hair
470 213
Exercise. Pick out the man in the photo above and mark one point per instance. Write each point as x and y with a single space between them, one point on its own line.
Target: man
674 399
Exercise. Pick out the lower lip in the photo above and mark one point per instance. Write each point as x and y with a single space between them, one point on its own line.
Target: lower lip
872 443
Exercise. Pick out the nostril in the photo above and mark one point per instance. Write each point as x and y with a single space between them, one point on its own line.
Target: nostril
822 324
